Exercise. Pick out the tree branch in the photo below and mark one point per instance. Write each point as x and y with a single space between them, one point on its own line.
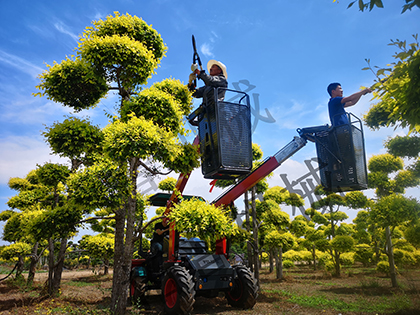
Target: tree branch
96 218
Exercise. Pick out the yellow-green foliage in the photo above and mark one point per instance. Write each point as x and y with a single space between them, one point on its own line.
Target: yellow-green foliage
404 258
265 257
157 106
398 95
324 258
287 264
136 63
168 184
416 255
132 26
15 250
282 195
72 83
196 218
178 91
99 246
363 253
138 137
342 243
292 255
102 185
385 163
347 259
276 239
383 266
329 266
306 256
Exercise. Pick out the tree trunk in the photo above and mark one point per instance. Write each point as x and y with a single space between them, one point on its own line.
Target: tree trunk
376 245
314 256
19 268
58 268
279 264
32 267
270 257
255 233
124 235
276 259
118 275
390 250
337 263
50 266
248 228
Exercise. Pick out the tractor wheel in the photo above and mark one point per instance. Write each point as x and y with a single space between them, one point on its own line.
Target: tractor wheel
178 291
245 291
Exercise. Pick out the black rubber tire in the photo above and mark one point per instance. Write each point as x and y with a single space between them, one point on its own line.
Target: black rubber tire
245 290
178 291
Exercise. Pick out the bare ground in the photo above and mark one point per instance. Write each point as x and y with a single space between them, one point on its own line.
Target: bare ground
86 292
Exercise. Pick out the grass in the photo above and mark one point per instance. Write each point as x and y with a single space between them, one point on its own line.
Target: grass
370 283
382 304
302 291
80 283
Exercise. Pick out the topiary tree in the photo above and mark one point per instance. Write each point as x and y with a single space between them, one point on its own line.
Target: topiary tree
100 246
16 251
120 53
168 184
337 235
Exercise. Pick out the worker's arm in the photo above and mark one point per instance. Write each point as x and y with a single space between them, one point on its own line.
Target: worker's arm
160 232
354 98
214 81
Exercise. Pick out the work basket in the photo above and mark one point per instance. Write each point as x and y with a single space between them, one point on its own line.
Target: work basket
225 136
341 157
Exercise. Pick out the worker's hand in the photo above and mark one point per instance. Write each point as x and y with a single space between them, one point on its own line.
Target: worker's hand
191 87
194 66
197 72
366 91
192 77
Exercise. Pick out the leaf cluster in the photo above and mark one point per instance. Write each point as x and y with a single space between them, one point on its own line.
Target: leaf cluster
276 239
409 4
15 250
395 209
99 246
406 146
135 27
196 218
74 138
398 90
72 83
154 105
102 185
168 184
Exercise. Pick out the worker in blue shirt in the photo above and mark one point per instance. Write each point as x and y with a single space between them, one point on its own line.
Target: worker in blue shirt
337 103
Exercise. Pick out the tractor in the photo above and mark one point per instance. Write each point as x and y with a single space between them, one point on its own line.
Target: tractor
224 139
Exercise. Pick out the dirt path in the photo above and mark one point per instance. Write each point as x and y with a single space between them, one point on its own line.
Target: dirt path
84 290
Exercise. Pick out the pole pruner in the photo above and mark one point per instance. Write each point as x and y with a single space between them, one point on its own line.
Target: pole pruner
196 63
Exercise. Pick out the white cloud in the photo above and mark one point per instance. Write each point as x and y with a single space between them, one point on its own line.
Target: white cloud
21 154
206 50
29 111
63 28
20 64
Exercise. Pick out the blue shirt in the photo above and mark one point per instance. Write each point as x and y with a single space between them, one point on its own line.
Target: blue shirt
338 115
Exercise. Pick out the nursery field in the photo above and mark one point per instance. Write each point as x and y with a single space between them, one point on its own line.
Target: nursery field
302 291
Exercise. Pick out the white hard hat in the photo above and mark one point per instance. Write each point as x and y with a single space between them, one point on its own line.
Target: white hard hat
218 63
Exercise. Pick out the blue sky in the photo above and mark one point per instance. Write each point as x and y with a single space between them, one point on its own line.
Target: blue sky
289 50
